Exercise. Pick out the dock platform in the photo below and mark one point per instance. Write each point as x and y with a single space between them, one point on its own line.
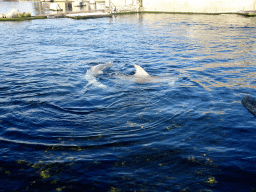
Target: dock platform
88 15
247 13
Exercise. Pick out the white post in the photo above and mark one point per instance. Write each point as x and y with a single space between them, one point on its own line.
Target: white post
92 5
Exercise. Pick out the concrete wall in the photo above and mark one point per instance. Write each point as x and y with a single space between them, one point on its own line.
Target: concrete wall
123 3
198 6
100 5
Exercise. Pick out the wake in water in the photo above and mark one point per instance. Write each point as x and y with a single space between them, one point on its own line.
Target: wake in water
140 76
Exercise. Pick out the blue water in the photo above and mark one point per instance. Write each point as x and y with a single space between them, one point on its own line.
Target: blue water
57 133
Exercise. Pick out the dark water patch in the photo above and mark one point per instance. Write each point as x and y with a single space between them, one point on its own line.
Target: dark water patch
134 174
244 179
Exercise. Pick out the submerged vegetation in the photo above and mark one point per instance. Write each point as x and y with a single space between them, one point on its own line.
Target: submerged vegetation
24 14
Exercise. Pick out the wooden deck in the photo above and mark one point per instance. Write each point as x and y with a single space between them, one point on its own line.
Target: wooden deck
73 15
88 15
79 15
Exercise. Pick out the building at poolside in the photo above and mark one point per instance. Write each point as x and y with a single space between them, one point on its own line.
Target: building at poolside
171 6
79 5
189 6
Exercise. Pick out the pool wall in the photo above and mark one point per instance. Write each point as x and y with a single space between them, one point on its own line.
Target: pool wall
194 6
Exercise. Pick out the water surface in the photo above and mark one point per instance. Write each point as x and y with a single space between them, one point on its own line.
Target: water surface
57 133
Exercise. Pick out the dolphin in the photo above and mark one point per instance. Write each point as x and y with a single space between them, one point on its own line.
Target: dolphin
142 76
93 72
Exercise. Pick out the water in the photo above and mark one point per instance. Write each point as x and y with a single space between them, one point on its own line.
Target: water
60 134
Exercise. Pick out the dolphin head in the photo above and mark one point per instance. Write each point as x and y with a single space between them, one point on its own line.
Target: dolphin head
92 73
98 69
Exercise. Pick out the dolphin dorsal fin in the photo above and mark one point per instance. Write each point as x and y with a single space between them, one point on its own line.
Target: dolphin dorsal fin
140 71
